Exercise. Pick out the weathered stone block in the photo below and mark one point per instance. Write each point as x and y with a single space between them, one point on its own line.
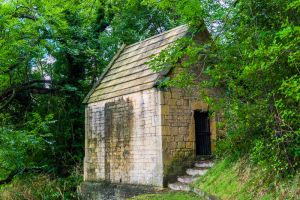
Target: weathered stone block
165 110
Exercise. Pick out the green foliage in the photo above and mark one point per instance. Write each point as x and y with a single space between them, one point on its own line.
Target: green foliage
259 85
36 187
249 71
51 54
133 20
187 11
25 148
252 59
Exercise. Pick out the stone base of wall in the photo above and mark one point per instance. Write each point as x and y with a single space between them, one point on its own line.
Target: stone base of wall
109 191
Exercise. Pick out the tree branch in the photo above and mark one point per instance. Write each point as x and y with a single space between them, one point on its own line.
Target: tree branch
15 172
22 87
30 86
9 178
9 100
25 16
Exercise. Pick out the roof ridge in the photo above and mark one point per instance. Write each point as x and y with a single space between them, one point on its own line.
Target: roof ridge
157 35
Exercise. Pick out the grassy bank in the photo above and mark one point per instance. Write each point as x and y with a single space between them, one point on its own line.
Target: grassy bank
237 180
240 180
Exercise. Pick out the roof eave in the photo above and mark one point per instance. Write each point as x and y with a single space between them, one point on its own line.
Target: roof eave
87 97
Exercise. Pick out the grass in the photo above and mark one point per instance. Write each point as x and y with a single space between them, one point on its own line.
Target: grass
168 196
240 180
237 180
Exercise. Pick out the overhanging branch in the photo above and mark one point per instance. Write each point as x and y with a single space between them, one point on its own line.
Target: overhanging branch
9 100
33 86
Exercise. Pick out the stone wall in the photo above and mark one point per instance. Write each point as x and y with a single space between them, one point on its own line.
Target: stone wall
178 130
123 140
145 138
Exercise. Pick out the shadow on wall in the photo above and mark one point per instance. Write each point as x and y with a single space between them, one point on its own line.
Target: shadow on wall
118 131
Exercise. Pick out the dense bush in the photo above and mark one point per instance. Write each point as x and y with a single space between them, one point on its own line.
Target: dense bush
51 54
43 186
252 60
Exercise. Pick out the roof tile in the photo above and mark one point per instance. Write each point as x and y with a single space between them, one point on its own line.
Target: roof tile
129 72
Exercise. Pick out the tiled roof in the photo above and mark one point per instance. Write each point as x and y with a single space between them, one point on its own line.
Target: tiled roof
128 72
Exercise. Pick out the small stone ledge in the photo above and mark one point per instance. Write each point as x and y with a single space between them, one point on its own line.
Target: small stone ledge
111 191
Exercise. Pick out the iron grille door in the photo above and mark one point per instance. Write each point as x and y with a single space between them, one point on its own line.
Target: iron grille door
202 128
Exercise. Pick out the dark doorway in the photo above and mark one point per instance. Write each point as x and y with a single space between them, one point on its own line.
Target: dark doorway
202 130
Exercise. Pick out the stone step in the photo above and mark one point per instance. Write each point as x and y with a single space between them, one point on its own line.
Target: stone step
187 179
204 164
198 171
179 186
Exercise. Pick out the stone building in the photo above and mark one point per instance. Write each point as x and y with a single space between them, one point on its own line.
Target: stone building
136 133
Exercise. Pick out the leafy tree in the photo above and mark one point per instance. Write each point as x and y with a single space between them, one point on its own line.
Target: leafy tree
51 53
253 59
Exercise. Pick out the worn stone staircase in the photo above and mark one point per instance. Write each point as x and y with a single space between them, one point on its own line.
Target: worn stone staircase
200 168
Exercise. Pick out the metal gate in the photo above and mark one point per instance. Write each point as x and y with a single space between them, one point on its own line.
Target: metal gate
202 130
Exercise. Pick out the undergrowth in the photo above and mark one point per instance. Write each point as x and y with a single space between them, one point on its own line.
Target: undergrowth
42 187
